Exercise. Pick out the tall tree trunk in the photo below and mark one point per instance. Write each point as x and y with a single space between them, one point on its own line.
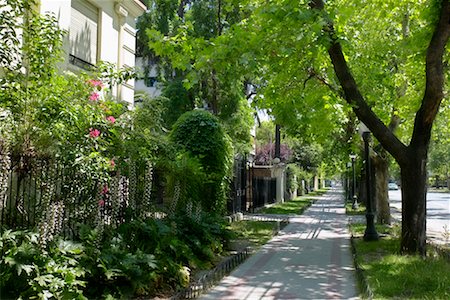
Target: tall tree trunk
362 190
381 172
414 190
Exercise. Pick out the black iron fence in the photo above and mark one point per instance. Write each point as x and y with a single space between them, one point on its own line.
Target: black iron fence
214 276
57 198
264 191
237 200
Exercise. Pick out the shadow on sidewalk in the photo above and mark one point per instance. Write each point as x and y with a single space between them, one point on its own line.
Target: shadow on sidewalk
309 259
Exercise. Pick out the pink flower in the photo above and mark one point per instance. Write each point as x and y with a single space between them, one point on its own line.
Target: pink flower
105 190
96 83
94 133
101 202
111 119
94 96
112 163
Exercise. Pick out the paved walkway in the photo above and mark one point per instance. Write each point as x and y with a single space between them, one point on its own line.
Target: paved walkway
309 259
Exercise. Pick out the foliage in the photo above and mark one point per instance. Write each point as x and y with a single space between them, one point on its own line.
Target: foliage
171 34
138 258
74 120
29 70
144 257
200 134
56 115
265 133
187 179
113 268
308 156
180 100
439 157
146 136
28 271
360 210
285 47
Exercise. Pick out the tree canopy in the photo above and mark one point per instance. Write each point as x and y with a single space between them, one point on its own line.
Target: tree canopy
313 62
171 34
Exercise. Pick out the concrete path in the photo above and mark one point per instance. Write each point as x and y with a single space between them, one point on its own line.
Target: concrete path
309 259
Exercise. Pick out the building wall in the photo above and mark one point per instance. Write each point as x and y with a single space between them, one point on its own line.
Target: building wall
150 84
116 35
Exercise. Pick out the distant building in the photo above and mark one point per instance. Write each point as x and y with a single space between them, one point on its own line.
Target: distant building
148 82
98 30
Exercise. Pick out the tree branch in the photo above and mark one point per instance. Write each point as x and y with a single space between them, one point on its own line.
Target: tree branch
313 74
354 97
434 87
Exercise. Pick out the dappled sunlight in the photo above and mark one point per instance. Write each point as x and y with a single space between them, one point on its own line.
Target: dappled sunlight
309 259
287 281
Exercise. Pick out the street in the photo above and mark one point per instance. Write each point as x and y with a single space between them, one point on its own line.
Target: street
438 213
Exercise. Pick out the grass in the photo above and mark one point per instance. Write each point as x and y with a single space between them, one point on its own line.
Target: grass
294 206
361 210
257 233
391 275
318 192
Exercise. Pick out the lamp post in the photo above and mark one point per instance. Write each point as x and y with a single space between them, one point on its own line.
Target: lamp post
249 197
347 184
353 194
371 233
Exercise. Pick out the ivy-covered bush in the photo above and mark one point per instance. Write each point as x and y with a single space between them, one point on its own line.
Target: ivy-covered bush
200 134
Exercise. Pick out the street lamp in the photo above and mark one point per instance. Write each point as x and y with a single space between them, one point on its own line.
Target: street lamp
347 185
371 233
353 194
249 197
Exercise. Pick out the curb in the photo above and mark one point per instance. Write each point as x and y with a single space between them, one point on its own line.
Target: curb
360 276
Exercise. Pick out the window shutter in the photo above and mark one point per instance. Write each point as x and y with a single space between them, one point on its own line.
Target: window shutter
83 31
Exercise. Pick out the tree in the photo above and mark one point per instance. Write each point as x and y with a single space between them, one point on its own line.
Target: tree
412 158
296 50
172 34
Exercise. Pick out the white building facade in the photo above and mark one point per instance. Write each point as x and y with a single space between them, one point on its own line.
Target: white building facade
148 83
98 30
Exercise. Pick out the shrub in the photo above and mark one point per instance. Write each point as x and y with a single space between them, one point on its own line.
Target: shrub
200 134
29 272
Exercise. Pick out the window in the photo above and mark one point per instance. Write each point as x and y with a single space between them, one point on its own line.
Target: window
150 81
83 33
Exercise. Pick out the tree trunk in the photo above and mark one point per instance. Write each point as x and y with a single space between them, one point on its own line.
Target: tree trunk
414 192
362 190
381 172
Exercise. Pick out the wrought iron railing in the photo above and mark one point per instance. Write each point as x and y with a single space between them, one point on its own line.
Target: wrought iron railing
211 278
39 192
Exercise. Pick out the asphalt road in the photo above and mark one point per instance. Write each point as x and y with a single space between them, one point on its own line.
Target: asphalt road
438 213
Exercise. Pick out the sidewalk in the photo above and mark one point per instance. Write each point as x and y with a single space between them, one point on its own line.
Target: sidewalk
309 259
